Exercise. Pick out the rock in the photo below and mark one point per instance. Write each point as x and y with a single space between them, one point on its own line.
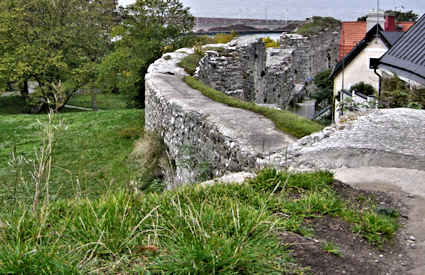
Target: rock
383 138
237 178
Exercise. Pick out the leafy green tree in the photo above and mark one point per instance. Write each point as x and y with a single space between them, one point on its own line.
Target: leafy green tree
56 43
404 16
149 28
324 92
399 15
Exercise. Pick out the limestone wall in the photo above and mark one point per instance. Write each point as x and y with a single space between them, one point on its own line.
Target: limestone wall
204 138
247 70
312 54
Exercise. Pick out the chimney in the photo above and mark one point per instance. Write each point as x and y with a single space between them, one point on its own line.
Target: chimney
373 17
390 25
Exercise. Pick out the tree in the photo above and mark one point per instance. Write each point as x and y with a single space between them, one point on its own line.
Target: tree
150 28
56 43
399 16
363 88
324 92
404 16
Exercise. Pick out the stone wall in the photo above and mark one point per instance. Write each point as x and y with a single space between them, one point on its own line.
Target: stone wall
312 54
247 70
204 138
379 138
208 139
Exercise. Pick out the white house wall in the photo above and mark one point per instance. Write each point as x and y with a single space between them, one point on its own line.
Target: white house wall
358 69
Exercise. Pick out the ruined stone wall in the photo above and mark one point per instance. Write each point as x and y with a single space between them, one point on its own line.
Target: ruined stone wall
312 54
247 70
204 139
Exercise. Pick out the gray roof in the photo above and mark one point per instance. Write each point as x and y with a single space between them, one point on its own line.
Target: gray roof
392 37
407 56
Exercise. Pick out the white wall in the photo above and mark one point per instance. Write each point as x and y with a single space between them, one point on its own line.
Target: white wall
358 69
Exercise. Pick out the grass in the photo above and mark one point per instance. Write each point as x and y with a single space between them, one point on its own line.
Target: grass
285 121
90 154
191 62
220 229
331 248
311 195
103 101
317 24
270 43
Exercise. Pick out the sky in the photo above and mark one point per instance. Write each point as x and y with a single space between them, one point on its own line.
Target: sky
294 9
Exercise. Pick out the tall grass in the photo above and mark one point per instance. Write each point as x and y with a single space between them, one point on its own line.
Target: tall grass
220 229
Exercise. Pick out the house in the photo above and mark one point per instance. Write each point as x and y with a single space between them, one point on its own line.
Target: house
354 65
407 57
353 32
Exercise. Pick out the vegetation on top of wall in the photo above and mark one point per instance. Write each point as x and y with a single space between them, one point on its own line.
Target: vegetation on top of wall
270 43
285 121
223 38
317 24
191 62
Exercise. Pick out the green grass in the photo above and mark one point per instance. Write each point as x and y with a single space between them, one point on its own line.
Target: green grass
310 195
191 62
90 154
285 121
317 24
103 101
220 229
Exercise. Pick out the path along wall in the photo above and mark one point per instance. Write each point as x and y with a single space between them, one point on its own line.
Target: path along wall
204 139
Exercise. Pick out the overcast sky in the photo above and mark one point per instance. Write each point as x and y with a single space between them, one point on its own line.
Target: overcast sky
293 9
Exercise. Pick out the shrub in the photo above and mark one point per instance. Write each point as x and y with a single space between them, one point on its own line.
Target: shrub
223 38
396 93
270 43
363 88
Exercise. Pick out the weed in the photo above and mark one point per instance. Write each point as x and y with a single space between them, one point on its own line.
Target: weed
150 157
331 248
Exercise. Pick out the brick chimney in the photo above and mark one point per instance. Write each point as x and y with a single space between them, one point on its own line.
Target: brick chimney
390 24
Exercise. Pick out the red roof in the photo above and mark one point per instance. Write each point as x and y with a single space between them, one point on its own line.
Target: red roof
405 26
351 34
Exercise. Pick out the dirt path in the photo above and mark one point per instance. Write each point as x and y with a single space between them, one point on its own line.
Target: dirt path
408 185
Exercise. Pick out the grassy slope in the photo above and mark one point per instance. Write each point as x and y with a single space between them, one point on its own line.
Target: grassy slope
93 149
221 229
286 121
